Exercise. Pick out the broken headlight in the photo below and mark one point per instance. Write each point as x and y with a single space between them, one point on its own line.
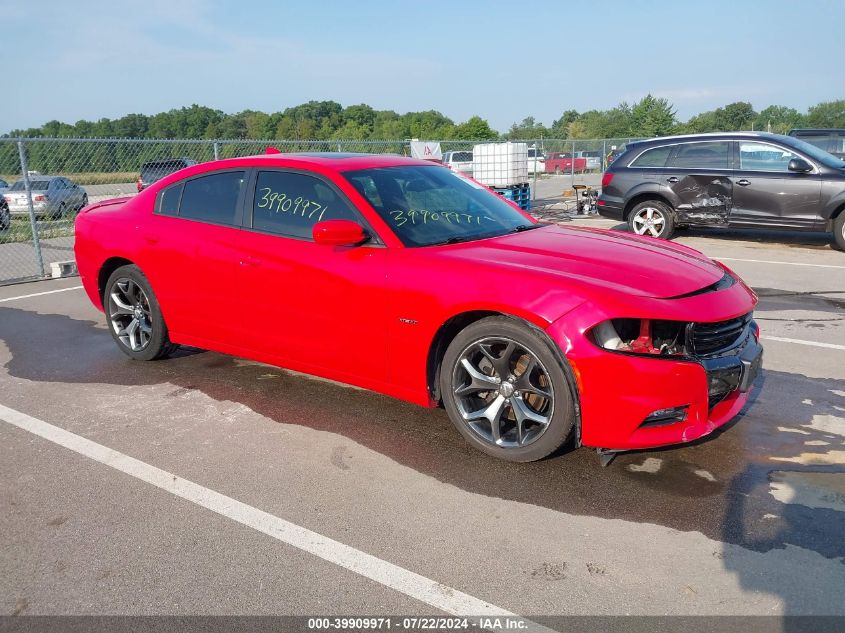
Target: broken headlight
642 336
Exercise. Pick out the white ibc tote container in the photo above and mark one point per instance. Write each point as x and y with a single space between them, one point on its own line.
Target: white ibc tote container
500 164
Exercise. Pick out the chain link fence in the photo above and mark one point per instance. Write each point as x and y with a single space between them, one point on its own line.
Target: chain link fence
45 181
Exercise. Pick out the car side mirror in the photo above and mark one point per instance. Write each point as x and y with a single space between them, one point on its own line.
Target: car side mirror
339 233
800 165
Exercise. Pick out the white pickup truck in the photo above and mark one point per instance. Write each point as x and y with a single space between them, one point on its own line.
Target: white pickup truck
460 160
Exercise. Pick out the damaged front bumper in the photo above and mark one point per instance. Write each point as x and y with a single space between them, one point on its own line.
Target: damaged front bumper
631 401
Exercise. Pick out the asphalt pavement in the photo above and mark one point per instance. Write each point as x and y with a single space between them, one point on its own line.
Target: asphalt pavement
292 495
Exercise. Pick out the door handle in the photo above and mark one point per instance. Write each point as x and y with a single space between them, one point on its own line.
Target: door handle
743 182
673 179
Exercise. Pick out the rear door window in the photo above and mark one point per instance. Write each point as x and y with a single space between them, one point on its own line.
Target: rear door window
655 157
168 200
213 198
708 155
291 203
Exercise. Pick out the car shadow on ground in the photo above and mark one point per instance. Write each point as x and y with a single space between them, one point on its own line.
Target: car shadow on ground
719 486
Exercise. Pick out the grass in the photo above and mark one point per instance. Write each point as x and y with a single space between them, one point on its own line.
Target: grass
87 177
20 230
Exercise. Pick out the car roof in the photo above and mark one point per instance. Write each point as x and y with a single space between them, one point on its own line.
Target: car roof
714 136
337 161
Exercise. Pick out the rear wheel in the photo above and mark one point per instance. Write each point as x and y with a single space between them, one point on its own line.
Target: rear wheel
134 316
84 202
506 391
61 212
653 218
5 218
839 230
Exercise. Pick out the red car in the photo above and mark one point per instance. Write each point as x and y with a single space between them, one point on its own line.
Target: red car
404 277
562 163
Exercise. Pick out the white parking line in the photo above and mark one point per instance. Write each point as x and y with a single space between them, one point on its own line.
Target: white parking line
402 580
767 261
38 294
798 341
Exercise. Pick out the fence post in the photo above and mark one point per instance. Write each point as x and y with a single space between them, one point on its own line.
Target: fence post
534 184
216 150
604 154
36 242
572 166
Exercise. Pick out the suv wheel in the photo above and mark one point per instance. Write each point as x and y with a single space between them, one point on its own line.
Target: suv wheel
839 230
653 218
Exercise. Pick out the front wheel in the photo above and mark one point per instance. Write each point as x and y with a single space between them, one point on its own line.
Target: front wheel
134 315
652 218
505 390
839 231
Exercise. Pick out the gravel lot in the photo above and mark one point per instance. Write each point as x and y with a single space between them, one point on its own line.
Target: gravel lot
749 521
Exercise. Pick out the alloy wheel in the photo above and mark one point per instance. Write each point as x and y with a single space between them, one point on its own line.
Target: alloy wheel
129 313
503 392
649 221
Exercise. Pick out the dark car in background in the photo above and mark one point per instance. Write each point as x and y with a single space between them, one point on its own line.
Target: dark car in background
154 170
831 140
5 215
739 179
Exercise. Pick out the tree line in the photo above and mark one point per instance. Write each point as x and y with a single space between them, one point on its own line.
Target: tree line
329 120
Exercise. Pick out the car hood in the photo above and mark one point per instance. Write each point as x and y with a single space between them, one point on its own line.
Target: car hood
617 261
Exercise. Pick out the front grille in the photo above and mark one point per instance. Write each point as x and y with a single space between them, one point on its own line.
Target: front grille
711 338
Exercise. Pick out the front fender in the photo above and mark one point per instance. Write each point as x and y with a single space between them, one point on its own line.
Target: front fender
836 202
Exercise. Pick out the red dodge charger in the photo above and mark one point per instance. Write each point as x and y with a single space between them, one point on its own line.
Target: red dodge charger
403 277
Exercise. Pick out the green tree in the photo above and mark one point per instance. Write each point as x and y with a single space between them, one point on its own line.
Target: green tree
560 127
476 129
735 116
651 116
827 114
528 128
778 119
704 122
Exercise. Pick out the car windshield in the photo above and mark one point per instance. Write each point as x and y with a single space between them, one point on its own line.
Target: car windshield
34 185
814 152
426 205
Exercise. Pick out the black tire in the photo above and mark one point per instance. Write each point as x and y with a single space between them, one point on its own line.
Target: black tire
119 287
84 202
656 211
61 212
839 231
558 411
5 218
557 170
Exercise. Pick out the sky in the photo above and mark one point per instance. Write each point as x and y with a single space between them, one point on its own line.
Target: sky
504 61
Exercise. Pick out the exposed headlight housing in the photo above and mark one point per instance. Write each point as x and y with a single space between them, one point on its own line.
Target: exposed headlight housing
642 336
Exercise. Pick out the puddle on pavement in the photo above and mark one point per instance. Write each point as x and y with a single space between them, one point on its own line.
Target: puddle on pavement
813 490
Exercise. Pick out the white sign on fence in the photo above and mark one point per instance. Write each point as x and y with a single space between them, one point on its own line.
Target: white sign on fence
427 150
